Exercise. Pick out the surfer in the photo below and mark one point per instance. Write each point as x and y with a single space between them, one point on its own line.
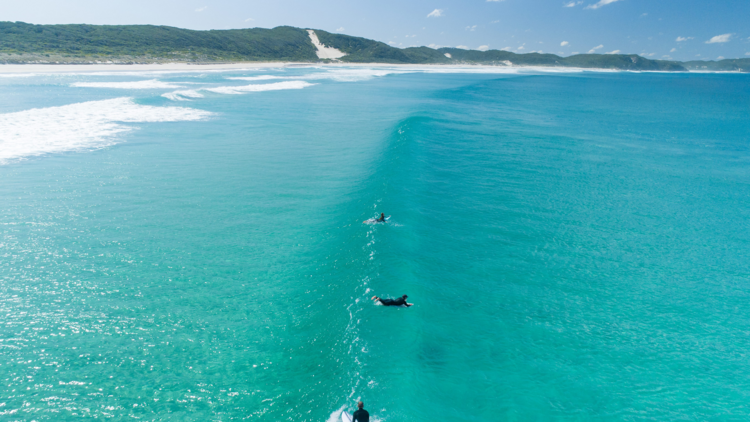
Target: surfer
361 414
393 302
381 219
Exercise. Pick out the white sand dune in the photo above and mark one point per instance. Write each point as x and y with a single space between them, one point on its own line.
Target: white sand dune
323 51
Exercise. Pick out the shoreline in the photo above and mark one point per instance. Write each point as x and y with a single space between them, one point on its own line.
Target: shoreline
35 68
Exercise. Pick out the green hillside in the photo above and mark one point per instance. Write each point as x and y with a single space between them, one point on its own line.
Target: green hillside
726 65
163 42
26 43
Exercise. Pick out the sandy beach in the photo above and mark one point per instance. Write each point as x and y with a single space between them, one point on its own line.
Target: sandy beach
86 68
8 69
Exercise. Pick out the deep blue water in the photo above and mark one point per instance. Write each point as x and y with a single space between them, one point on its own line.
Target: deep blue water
575 245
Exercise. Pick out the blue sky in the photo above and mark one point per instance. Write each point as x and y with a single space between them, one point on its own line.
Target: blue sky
659 29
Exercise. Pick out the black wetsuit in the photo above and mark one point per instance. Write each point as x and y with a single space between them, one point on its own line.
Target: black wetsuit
393 302
381 220
361 415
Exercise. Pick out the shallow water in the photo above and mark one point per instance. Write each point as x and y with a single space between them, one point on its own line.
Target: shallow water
190 246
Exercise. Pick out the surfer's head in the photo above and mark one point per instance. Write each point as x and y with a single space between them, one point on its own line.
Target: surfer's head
360 405
382 214
404 296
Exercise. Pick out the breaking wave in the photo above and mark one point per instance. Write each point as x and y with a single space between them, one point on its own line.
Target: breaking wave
235 90
149 84
81 126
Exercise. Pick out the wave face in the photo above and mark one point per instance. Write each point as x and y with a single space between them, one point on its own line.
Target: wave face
570 256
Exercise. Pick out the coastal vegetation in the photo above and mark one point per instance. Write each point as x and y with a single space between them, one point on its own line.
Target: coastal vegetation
81 44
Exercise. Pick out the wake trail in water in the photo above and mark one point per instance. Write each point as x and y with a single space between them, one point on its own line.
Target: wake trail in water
371 238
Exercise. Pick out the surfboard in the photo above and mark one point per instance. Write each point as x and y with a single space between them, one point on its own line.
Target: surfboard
346 417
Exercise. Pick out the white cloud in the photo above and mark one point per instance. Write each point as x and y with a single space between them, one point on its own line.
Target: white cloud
600 4
200 9
249 19
666 56
719 39
673 50
720 58
564 43
572 4
340 29
593 50
748 53
463 47
681 39
651 54
644 15
471 28
507 48
435 13
483 47
393 43
613 52
495 21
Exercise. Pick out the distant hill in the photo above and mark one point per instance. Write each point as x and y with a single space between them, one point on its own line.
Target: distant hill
726 65
26 43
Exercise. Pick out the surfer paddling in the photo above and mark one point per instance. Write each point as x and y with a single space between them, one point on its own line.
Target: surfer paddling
393 302
381 219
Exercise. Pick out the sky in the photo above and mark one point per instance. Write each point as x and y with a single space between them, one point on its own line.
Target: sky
657 29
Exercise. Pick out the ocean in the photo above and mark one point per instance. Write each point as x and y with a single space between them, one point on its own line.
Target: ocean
190 245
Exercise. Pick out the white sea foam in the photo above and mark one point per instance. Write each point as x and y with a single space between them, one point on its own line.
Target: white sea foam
234 90
259 87
149 84
258 78
340 75
353 74
80 126
17 75
336 415
182 95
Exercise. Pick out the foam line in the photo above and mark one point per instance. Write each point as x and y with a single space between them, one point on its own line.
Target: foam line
234 90
182 95
259 87
353 75
80 126
149 84
258 78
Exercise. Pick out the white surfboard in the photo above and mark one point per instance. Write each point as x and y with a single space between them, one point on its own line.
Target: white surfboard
375 220
346 417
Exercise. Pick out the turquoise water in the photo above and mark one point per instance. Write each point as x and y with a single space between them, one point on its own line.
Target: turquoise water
190 246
